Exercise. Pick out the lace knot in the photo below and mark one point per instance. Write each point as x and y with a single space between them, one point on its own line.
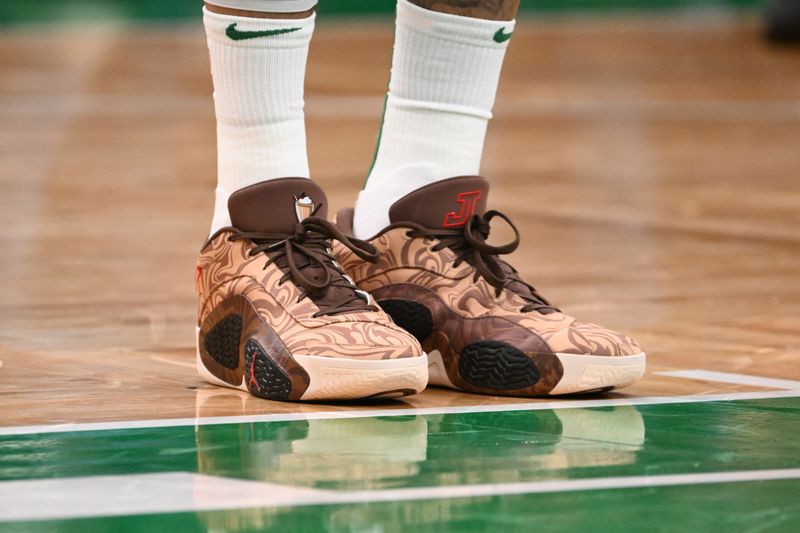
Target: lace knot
299 234
469 244
305 257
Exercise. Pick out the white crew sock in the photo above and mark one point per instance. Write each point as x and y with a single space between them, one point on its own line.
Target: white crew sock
445 71
258 99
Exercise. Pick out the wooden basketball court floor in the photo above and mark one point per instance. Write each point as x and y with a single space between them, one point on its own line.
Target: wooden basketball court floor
653 166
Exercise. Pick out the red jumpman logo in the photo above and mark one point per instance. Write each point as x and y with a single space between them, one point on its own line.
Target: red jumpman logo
253 380
469 202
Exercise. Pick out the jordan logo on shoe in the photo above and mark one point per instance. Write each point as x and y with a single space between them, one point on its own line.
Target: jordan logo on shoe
303 206
469 202
501 36
238 35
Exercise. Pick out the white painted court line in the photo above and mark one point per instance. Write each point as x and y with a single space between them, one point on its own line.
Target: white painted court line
366 413
43 499
739 379
49 499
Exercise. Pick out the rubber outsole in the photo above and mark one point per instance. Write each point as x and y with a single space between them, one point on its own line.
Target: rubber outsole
329 378
493 367
582 373
411 316
496 365
222 342
588 373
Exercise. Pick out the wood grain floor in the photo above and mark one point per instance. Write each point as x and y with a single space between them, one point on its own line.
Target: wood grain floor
652 165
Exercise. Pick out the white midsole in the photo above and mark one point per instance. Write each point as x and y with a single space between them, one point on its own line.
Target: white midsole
337 377
437 372
346 378
584 373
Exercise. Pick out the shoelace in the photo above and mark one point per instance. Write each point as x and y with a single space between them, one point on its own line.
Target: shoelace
469 244
310 243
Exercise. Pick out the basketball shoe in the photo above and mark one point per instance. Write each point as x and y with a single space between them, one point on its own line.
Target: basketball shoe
485 329
278 317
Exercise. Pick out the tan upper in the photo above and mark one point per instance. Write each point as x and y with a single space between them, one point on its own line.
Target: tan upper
224 269
410 261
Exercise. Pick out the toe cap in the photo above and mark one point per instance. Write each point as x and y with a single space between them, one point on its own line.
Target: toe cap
591 339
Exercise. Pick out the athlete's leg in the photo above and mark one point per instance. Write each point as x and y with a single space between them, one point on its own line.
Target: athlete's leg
484 328
277 316
258 51
445 70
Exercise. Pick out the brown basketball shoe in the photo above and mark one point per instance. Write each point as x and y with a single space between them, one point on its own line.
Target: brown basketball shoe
280 319
484 329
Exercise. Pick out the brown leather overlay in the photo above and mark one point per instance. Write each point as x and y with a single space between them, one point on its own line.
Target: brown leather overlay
443 204
255 328
275 206
451 333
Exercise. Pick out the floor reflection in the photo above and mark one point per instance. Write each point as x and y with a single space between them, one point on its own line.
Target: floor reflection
408 451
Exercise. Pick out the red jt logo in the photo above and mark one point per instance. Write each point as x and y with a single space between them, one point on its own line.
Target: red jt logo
469 202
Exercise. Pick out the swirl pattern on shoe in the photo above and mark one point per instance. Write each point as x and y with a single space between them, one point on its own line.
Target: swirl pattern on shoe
302 320
434 254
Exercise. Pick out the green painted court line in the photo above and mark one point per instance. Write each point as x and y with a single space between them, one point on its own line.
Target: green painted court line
747 506
421 451
398 411
430 460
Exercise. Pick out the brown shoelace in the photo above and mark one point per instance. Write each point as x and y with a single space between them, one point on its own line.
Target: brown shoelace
469 244
306 259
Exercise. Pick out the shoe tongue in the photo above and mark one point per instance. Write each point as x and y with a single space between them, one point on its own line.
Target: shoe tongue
443 204
275 206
